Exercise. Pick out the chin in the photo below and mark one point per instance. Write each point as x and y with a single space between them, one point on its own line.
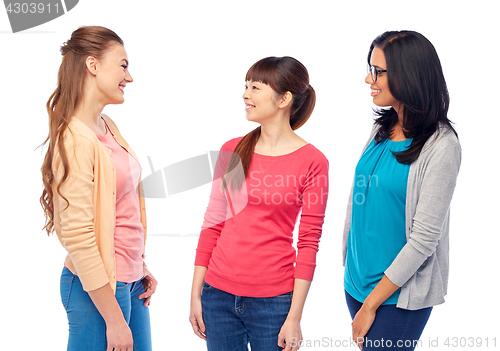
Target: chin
119 101
382 105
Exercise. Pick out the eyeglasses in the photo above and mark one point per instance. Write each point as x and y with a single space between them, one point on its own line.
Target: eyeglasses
374 72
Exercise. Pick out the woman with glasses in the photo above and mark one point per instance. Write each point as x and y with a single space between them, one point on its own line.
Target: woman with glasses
395 242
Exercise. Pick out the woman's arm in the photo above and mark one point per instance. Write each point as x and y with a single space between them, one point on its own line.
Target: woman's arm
314 199
78 237
363 320
77 213
441 166
290 335
118 334
196 315
213 223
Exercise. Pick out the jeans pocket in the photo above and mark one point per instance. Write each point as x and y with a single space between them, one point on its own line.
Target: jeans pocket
121 285
287 295
206 287
65 289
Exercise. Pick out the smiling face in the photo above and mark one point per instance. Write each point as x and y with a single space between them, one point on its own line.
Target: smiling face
380 89
112 74
261 101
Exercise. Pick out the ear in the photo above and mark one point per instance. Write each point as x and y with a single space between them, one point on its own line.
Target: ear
91 63
286 99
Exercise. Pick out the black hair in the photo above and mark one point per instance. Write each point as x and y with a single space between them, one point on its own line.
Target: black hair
416 80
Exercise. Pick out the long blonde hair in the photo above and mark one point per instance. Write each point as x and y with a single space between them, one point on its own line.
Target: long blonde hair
84 42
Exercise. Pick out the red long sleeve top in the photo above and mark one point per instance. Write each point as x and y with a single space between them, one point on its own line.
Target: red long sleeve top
246 239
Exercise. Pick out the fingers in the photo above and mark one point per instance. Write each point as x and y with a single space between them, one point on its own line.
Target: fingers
357 338
281 340
282 345
150 287
198 326
291 345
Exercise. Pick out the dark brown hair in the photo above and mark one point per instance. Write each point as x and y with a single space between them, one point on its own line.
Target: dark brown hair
282 74
84 42
416 80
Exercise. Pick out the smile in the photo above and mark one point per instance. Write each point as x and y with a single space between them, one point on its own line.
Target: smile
248 107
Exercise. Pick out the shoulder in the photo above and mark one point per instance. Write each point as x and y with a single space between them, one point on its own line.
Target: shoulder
231 144
79 144
442 151
314 157
443 138
78 133
314 153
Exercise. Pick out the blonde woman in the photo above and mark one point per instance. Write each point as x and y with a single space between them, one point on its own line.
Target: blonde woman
92 199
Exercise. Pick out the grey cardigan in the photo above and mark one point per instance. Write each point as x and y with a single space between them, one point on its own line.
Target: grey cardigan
421 267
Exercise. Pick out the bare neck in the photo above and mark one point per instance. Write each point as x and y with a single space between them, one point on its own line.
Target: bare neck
89 111
278 139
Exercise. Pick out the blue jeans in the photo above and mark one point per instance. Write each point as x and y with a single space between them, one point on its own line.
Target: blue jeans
232 322
393 328
87 329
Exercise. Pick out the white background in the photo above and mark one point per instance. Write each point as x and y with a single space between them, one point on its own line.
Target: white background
188 60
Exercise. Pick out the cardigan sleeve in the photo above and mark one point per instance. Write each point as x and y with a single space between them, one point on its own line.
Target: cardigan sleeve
439 171
77 211
314 199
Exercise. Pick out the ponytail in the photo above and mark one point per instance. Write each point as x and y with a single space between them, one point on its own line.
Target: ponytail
84 42
282 74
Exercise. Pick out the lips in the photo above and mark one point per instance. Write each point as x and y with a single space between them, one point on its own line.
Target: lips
121 87
248 107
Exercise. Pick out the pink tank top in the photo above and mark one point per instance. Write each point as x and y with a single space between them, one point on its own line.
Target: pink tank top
129 234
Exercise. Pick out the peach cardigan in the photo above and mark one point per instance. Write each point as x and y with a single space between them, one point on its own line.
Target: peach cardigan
86 226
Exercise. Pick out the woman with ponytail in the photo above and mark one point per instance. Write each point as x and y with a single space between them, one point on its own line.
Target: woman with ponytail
397 224
92 199
249 284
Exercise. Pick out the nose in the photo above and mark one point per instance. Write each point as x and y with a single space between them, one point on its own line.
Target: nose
128 77
246 94
368 79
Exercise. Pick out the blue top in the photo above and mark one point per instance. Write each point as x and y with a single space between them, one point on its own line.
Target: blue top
377 233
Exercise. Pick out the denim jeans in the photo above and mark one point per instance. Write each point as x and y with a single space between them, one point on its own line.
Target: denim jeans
232 322
394 328
87 329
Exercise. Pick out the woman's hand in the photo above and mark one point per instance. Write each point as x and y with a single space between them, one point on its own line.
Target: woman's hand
196 317
196 314
119 337
290 336
361 323
363 320
150 284
118 333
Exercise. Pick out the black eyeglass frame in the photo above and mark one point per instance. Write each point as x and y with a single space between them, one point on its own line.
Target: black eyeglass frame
374 71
